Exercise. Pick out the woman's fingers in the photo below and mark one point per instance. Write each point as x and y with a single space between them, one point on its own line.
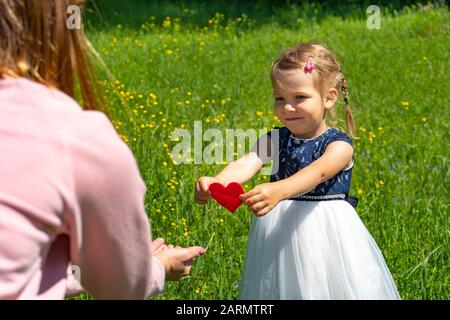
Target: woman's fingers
192 252
157 244
187 270
182 260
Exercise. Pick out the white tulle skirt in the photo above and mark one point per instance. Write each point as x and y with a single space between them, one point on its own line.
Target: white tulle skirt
314 250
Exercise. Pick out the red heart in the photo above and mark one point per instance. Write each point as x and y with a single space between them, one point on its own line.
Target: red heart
227 197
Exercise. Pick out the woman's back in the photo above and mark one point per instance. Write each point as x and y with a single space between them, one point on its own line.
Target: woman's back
65 176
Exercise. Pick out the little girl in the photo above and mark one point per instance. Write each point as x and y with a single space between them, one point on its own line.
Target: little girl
306 241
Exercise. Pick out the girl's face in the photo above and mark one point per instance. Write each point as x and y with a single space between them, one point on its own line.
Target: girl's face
298 104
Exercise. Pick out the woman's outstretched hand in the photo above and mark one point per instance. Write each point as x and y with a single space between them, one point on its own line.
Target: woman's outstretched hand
262 198
177 261
202 193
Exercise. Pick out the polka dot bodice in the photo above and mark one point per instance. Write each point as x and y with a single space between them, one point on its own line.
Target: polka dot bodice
296 154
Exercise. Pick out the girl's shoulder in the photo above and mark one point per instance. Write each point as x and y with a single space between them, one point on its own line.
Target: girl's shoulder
333 134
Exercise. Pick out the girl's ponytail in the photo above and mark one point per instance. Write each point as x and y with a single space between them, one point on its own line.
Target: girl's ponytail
349 120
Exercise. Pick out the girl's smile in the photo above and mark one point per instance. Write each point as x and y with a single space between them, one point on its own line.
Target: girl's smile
293 119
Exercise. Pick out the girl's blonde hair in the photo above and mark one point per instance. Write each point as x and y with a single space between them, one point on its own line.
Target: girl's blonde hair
35 43
328 70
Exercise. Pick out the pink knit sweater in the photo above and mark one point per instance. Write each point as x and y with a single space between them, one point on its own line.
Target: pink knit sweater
70 194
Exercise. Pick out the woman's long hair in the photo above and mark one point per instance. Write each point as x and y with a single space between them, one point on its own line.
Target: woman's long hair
36 43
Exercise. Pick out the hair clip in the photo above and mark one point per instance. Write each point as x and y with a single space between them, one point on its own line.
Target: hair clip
310 66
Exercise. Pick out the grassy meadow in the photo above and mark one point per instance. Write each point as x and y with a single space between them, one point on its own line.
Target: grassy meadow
169 64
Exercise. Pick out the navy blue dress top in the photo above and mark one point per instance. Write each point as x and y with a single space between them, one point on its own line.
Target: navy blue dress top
295 154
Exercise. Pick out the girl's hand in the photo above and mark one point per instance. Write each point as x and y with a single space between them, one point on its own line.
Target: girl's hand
202 194
262 198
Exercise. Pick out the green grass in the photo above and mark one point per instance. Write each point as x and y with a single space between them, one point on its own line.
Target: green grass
217 72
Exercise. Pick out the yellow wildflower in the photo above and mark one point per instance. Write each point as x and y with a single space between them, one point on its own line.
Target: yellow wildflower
167 23
405 105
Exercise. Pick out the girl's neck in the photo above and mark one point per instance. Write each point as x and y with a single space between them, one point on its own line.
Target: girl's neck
312 134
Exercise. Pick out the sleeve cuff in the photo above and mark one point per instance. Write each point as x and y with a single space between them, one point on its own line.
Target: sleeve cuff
73 286
157 278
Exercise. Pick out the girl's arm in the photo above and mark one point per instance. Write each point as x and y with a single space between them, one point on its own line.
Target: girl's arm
264 197
239 171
